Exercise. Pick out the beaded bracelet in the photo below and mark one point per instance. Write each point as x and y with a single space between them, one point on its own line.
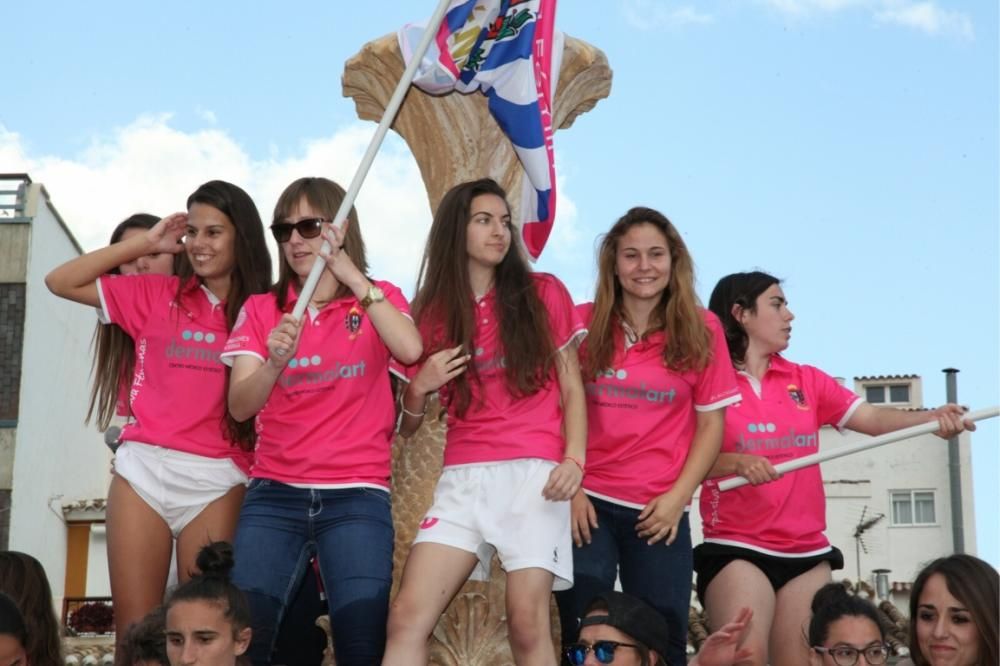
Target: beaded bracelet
576 462
414 414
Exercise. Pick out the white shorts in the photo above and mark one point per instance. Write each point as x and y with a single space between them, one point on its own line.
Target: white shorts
176 484
498 507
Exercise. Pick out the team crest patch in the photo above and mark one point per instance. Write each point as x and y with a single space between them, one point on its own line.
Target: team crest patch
797 396
353 322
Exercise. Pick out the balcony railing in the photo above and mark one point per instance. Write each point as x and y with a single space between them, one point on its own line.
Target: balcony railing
13 197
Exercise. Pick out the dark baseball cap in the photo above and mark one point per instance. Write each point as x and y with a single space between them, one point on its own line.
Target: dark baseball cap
630 616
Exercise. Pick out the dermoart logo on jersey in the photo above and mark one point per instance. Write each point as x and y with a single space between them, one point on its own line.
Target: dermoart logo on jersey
763 436
194 345
486 365
612 383
310 370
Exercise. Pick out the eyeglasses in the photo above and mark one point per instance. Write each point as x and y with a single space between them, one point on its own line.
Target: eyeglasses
603 650
307 228
847 655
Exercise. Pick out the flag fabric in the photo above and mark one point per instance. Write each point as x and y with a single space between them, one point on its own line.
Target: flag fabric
510 51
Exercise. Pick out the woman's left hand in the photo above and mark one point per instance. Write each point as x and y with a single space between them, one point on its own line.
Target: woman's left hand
339 262
659 519
564 481
723 647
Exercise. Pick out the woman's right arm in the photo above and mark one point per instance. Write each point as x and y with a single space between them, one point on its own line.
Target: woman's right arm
252 380
755 469
76 280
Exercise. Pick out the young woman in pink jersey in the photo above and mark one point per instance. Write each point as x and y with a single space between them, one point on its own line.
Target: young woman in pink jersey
179 473
657 384
501 354
764 543
319 389
114 351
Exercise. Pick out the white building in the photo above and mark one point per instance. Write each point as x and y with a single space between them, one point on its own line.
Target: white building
904 488
52 466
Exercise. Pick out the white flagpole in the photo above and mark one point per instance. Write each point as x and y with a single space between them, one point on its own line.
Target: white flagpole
864 445
383 127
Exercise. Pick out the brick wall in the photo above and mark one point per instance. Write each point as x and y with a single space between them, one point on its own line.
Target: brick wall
12 302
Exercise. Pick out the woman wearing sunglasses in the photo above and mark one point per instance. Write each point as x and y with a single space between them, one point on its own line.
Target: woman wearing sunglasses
179 473
319 392
764 544
658 381
622 630
845 630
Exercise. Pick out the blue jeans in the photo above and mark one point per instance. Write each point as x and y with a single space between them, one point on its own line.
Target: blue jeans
659 575
349 531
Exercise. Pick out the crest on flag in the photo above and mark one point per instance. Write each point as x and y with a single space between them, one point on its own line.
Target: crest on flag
510 51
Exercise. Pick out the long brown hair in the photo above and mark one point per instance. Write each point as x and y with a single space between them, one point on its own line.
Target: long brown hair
324 196
23 579
689 342
114 350
443 306
976 585
251 274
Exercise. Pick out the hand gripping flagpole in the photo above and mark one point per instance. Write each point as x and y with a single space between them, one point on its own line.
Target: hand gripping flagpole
366 162
840 452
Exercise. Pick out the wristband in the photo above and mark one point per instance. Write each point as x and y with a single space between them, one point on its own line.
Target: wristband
576 462
414 414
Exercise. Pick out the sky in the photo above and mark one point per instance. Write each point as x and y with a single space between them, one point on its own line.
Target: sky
849 147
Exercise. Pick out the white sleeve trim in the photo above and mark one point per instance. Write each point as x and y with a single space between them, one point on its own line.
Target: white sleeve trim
102 310
577 336
227 357
842 423
398 374
719 404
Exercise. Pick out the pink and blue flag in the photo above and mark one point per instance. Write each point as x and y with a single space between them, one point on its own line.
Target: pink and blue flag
509 50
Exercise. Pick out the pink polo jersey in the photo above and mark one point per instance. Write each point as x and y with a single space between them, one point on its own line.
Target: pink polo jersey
178 390
641 415
498 426
778 418
329 420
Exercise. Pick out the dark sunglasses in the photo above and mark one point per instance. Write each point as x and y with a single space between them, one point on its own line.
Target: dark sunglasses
604 651
307 228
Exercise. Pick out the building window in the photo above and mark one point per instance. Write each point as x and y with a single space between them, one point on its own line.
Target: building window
913 507
888 394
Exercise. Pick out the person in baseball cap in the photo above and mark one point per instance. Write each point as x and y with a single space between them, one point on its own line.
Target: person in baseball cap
622 630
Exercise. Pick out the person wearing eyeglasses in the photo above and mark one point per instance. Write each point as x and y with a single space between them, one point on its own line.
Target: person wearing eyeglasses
318 390
620 629
845 630
181 469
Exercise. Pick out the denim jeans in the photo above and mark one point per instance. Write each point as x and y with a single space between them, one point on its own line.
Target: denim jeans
350 532
659 575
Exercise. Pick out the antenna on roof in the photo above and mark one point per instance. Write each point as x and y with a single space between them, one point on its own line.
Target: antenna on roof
859 536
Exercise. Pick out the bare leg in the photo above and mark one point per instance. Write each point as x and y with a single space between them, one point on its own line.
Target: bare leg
741 584
528 626
216 522
791 616
139 544
432 577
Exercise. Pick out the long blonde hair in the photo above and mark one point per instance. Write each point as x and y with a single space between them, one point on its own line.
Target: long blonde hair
689 342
